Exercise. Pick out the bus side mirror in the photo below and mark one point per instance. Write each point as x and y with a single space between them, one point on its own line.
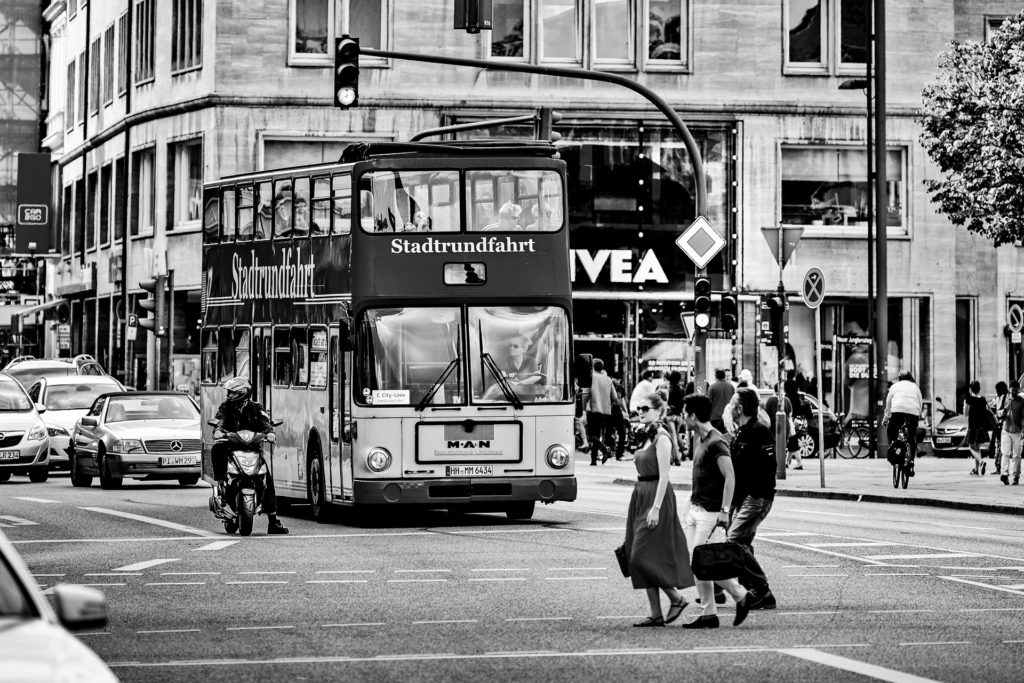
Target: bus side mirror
344 335
583 370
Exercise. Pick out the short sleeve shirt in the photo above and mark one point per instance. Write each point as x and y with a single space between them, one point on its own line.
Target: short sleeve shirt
708 480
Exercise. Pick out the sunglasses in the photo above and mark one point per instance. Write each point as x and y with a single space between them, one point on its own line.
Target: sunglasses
644 409
515 346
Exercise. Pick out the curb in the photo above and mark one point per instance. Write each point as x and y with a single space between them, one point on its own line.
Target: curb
873 498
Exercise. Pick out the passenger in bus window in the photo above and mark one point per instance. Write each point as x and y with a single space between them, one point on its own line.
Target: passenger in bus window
301 226
508 219
544 223
420 223
283 212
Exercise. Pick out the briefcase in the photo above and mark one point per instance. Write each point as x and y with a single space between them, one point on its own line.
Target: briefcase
717 561
622 555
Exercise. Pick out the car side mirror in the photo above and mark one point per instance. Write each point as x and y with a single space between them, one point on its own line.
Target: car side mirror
80 607
90 421
40 408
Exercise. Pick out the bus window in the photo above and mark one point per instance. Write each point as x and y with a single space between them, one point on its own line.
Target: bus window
318 358
245 213
264 210
211 217
210 357
321 214
405 351
300 357
226 354
412 201
282 357
283 208
341 190
527 344
513 201
300 189
242 356
227 204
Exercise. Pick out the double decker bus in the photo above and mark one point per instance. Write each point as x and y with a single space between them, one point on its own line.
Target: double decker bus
406 313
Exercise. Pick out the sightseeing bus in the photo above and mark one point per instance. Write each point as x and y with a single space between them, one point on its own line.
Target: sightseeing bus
406 312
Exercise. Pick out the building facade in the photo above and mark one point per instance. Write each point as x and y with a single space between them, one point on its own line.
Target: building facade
152 97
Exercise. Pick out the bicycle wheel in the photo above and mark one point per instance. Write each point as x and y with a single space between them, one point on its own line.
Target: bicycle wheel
896 476
843 447
863 439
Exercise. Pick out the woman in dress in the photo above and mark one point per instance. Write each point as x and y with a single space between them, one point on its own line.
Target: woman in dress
658 554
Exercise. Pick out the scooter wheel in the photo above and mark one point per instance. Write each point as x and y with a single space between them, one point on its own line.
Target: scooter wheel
230 527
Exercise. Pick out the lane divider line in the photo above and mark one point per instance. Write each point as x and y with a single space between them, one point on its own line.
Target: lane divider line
154 521
445 621
362 623
981 585
257 628
176 583
251 583
217 545
35 500
144 565
169 630
339 581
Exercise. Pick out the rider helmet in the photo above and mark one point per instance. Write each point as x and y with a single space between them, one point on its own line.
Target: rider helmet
238 389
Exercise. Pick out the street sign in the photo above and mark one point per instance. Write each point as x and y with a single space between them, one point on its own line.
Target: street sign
1015 337
133 327
1015 318
64 337
790 238
33 214
700 242
813 289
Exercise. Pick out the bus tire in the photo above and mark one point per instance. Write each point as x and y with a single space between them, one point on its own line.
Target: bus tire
315 488
521 510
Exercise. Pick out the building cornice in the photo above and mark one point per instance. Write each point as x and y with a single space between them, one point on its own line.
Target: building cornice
54 10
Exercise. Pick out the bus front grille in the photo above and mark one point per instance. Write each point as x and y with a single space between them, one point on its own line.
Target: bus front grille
467 490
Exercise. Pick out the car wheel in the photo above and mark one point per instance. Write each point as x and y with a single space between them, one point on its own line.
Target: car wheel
78 479
38 475
107 479
806 447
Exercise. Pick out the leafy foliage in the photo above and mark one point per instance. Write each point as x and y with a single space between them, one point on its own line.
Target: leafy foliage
973 129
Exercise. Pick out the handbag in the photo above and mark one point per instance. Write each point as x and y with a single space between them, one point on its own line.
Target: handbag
717 561
622 555
990 420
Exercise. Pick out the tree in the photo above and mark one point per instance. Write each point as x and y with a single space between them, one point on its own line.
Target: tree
974 131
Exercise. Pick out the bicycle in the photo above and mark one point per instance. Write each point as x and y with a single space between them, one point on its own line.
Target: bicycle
899 458
855 440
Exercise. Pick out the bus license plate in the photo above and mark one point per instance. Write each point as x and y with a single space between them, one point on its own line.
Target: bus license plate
179 460
469 470
943 440
10 455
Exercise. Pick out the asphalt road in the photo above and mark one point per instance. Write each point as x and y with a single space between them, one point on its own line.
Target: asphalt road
865 591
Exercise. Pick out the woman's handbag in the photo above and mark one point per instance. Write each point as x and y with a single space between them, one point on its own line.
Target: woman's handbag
622 555
717 561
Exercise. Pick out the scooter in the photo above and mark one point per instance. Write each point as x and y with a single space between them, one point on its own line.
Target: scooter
247 475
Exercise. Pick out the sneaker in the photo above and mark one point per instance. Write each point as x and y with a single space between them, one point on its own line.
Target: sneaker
275 527
1005 479
974 472
1016 481
800 467
765 601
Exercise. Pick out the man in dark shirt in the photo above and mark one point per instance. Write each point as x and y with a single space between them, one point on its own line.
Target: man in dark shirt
721 392
753 457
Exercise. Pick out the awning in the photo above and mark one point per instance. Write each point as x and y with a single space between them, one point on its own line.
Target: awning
32 310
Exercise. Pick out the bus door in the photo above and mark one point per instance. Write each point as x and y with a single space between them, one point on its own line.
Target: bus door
341 450
261 376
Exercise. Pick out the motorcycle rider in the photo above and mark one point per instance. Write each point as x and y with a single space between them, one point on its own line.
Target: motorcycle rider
237 413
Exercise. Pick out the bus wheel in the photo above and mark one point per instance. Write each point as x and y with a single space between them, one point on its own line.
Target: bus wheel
520 510
315 492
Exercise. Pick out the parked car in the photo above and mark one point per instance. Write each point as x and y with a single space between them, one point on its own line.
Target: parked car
949 433
140 435
66 399
807 436
36 645
27 369
24 443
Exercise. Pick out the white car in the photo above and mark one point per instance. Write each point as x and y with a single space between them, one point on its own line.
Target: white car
34 641
66 399
24 443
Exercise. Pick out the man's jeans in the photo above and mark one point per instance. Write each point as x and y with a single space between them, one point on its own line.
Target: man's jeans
1011 447
698 524
742 528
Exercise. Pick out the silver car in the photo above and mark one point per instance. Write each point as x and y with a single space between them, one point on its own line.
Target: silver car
66 399
27 369
139 435
24 443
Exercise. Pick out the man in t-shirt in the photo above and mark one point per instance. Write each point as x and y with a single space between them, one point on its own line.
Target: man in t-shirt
713 485
599 413
720 392
1012 439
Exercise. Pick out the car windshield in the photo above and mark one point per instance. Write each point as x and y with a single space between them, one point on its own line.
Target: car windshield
137 408
13 398
13 600
28 375
75 396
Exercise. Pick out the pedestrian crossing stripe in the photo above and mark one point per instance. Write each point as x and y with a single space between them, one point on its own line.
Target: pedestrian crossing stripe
16 521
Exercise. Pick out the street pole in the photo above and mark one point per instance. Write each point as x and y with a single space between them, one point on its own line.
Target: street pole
821 403
781 423
872 380
881 211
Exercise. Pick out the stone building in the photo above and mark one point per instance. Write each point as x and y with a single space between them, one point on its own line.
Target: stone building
150 98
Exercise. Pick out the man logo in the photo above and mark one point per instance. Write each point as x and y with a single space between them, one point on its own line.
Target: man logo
175 446
469 444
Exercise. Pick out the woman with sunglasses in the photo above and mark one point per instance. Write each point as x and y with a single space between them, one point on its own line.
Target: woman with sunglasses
658 554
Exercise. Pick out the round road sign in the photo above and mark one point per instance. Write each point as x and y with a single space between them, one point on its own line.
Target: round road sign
813 289
1015 318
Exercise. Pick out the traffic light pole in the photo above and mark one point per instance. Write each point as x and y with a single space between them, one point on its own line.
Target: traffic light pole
781 423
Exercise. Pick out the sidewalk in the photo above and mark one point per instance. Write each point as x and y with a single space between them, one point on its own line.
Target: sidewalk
940 482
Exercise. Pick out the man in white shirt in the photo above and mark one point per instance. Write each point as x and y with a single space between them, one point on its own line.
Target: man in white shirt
903 409
644 388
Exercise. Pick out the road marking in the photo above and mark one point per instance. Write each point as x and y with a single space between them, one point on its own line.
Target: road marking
417 580
540 619
48 575
169 630
347 571
1017 587
863 544
810 575
982 585
259 573
508 531
575 578
113 574
217 545
102 584
1008 642
501 569
620 616
854 666
577 569
819 550
177 583
143 565
900 574
250 583
972 569
920 557
937 642
992 609
502 578
818 512
898 611
801 614
445 621
363 623
339 581
781 534
97 633
811 566
35 500
257 628
423 571
189 573
154 521
17 521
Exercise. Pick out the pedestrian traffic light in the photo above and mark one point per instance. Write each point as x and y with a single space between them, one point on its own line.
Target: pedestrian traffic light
155 304
702 303
730 312
346 72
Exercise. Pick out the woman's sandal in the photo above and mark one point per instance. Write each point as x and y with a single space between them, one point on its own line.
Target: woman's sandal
674 610
650 621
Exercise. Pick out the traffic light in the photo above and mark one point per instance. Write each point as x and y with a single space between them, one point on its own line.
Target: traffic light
730 312
154 303
702 303
546 117
474 15
777 316
346 72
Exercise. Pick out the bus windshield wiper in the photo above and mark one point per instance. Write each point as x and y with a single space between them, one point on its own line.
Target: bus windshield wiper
437 384
506 388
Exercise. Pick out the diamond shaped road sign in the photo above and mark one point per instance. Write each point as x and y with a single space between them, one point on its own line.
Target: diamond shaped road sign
700 242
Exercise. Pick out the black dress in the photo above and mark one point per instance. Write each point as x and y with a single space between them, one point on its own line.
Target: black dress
658 557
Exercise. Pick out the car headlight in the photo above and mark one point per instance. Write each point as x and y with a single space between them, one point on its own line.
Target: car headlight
378 459
127 446
557 456
37 433
56 431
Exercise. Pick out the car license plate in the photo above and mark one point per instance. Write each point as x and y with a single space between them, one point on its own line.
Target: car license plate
178 460
469 470
10 455
943 440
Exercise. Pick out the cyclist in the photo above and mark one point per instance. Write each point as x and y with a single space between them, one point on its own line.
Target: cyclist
903 409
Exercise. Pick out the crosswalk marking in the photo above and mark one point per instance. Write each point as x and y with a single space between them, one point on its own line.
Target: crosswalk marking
143 565
17 521
922 556
35 500
851 544
217 545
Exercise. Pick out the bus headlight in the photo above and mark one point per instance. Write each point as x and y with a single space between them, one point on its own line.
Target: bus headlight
557 456
378 459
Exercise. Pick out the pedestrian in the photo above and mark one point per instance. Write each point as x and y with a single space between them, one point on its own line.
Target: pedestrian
619 419
720 392
674 417
753 458
903 404
1002 402
644 388
792 403
659 559
599 413
976 411
1012 438
710 501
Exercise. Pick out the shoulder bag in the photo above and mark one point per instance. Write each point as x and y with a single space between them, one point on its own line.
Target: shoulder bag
622 555
717 561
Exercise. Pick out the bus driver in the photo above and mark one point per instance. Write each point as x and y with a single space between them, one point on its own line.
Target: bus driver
517 366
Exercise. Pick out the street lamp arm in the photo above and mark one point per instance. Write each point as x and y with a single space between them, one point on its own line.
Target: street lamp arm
652 97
